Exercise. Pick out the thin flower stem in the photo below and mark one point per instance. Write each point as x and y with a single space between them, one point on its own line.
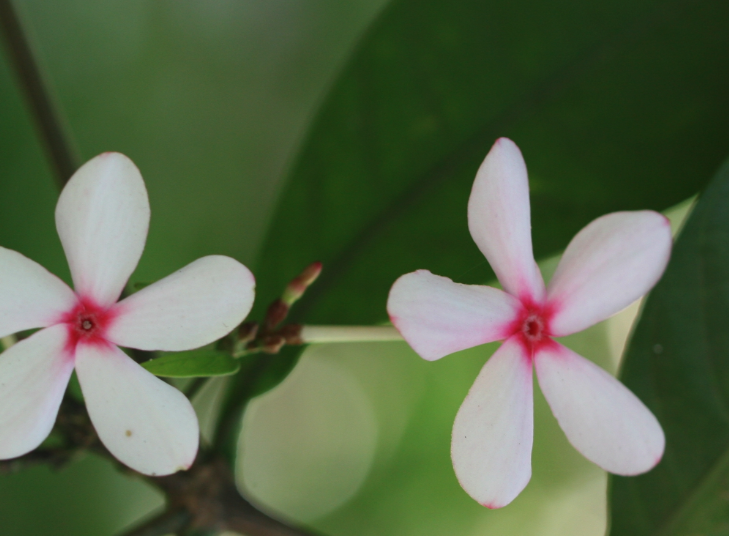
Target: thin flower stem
330 334
53 134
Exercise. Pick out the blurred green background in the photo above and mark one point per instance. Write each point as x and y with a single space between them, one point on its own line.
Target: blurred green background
240 115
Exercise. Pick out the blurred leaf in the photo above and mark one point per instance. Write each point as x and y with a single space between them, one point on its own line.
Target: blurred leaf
678 364
259 373
154 80
194 363
616 105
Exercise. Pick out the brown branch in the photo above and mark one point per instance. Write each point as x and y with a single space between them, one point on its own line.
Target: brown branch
37 457
61 154
208 493
168 522
204 497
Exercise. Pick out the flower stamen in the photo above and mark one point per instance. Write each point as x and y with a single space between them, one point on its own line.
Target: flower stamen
533 328
87 322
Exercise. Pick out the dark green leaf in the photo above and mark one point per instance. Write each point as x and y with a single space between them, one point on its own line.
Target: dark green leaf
616 105
267 371
678 364
259 373
194 363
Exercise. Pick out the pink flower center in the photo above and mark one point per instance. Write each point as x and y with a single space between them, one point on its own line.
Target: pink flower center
87 322
531 326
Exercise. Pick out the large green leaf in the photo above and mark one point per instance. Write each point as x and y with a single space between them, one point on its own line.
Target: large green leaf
678 364
259 373
616 105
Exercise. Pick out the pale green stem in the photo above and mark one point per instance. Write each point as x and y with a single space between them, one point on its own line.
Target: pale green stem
328 334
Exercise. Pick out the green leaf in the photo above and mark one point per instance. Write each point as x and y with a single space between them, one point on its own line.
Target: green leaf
678 364
616 105
259 373
266 371
194 363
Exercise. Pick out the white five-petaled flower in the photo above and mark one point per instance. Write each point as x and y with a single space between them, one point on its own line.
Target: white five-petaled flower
609 264
102 219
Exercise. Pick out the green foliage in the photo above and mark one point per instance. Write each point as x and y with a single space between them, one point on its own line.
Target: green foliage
259 373
267 371
195 363
616 105
678 364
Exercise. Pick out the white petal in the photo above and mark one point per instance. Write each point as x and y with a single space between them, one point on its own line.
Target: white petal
33 377
608 265
438 317
500 223
30 296
492 436
602 419
102 218
144 422
190 308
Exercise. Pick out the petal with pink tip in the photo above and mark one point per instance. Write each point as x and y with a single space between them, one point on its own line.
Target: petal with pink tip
608 265
192 307
602 419
438 317
500 223
33 377
144 422
32 297
102 218
491 445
